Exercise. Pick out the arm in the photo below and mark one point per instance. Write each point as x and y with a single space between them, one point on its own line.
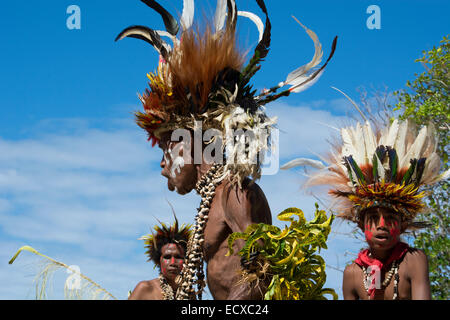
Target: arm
348 284
418 274
243 208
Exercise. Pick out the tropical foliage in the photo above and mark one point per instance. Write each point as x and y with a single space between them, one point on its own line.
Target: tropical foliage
289 256
427 100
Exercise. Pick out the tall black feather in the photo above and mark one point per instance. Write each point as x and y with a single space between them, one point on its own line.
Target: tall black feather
169 21
419 170
393 163
144 33
264 44
381 152
261 50
232 15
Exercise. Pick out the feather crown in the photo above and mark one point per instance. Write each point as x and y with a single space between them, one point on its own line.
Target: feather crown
386 168
202 77
165 234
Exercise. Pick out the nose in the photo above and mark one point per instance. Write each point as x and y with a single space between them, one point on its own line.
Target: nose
162 164
382 222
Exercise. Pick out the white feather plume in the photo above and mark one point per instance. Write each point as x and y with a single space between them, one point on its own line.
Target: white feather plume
302 73
415 151
360 146
163 33
256 20
389 138
303 162
400 145
347 139
187 17
220 14
301 84
370 141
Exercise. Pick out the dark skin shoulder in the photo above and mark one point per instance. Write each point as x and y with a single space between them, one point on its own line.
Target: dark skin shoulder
147 290
352 276
413 280
245 206
416 263
232 210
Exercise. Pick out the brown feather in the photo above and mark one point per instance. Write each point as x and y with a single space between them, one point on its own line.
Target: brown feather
197 60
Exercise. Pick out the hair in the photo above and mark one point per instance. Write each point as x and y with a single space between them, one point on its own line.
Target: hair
164 235
158 252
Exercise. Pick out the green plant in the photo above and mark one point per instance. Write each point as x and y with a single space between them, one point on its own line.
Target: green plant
289 256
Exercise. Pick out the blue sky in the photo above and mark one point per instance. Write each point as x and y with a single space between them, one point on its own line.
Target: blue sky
79 182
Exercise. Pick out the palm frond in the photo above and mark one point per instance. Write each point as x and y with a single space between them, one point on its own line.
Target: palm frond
82 287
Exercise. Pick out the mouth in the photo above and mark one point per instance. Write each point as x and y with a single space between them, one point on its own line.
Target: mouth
382 237
173 270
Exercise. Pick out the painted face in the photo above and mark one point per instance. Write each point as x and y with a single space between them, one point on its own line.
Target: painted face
382 228
171 261
181 176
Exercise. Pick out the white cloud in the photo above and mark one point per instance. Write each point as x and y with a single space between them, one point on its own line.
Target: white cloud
84 196
305 128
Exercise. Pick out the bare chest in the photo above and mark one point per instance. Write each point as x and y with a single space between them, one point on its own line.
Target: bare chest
386 292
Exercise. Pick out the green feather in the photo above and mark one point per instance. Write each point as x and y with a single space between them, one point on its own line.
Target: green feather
375 168
407 177
356 169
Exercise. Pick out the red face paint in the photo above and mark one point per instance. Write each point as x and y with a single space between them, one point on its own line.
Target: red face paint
171 261
368 232
382 222
395 233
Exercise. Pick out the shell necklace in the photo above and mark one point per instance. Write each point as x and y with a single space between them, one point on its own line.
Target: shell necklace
193 263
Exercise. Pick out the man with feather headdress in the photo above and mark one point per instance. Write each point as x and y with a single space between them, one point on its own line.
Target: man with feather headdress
202 85
377 180
167 250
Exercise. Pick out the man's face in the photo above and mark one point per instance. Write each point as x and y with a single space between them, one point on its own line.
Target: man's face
171 261
181 176
382 228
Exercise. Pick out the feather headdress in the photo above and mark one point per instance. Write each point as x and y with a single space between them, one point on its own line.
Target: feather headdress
383 168
202 77
154 242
